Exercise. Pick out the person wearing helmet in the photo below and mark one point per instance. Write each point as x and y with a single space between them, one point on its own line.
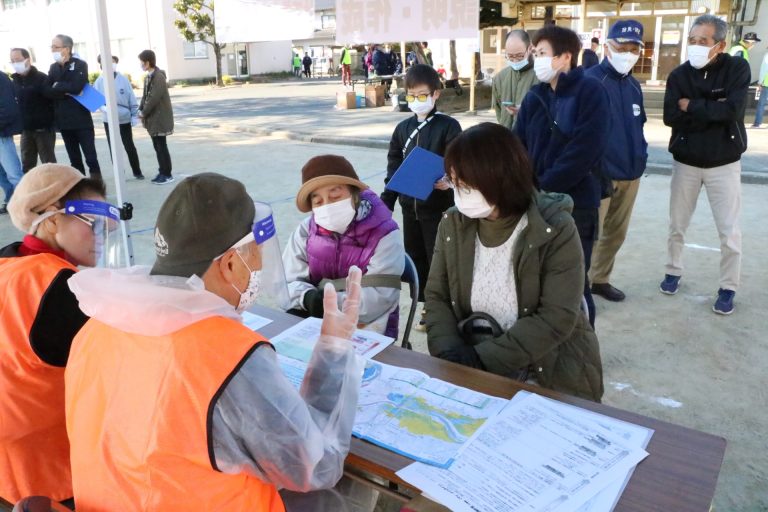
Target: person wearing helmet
39 318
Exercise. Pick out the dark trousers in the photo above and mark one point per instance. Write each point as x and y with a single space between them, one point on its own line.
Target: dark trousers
36 143
74 141
587 221
126 134
419 235
307 71
163 156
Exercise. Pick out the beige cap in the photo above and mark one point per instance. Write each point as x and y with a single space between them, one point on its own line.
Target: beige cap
40 188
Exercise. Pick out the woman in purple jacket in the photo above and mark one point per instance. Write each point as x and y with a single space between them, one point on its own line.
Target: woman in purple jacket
349 225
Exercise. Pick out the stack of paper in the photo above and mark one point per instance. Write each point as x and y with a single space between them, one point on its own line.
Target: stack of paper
537 455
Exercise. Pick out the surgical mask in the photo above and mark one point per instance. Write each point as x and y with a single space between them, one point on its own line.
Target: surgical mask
422 107
20 67
622 62
57 56
517 66
251 292
698 55
472 203
542 66
336 216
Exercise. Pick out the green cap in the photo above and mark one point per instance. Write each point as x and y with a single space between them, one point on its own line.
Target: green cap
205 215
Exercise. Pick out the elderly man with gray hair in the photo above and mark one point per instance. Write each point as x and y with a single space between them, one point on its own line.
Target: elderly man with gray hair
704 104
511 84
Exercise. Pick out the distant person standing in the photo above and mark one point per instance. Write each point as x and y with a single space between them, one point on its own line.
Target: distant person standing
384 66
307 62
763 84
627 151
67 77
741 49
589 55
427 53
127 114
346 63
296 65
38 137
156 114
10 125
511 84
704 104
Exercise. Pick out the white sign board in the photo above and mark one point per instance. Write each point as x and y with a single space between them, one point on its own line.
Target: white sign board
380 21
240 21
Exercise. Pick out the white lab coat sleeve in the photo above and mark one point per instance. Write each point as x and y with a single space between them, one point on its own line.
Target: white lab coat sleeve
296 440
296 266
388 259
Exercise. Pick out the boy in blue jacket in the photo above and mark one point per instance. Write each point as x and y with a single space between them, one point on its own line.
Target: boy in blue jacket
562 123
625 157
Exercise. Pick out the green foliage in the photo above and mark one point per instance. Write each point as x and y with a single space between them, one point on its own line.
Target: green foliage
227 80
197 24
93 75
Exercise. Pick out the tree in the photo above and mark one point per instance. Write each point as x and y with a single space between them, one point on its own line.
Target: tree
198 24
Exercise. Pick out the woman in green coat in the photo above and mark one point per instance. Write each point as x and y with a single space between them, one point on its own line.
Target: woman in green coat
505 289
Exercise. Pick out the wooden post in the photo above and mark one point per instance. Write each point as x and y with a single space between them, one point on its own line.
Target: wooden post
472 82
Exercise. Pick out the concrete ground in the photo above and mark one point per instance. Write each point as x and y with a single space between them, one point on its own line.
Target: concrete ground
666 357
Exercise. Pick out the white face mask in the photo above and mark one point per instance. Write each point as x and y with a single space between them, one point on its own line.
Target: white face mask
622 62
421 108
542 66
517 66
472 204
20 67
336 216
57 56
251 292
698 55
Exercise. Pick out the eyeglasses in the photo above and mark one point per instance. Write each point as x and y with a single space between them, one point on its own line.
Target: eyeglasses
96 224
460 187
635 50
57 47
421 97
517 57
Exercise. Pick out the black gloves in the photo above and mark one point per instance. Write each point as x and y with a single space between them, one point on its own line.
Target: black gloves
465 355
313 303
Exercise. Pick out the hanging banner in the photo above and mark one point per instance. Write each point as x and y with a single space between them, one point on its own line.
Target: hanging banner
380 21
264 20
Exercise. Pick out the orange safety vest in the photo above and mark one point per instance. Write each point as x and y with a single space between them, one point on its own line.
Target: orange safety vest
140 419
34 451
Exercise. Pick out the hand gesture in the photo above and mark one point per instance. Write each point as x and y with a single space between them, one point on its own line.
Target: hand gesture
342 324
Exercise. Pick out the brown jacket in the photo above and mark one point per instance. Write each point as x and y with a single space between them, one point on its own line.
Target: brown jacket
552 335
155 106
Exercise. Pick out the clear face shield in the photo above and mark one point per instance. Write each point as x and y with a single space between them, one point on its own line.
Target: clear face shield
105 249
273 288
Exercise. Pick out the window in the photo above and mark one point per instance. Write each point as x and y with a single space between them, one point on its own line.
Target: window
13 4
196 50
328 21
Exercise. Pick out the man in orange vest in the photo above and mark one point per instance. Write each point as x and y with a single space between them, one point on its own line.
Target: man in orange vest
172 403
39 317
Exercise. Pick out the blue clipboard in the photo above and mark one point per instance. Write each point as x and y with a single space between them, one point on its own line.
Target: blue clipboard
90 98
417 175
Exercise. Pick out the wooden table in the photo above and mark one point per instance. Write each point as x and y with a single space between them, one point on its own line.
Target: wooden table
679 474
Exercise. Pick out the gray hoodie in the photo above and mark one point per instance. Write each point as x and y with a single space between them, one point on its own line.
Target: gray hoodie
127 105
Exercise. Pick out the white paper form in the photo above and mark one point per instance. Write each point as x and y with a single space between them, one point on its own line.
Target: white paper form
254 322
298 341
535 455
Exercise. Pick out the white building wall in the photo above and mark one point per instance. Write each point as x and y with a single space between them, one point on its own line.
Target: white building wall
269 57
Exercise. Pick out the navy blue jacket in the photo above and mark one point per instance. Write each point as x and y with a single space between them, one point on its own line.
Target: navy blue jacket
10 115
589 59
567 158
626 155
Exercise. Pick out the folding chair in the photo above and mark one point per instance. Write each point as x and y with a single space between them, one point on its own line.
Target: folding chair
410 276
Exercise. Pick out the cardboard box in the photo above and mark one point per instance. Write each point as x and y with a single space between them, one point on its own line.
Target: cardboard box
346 100
374 95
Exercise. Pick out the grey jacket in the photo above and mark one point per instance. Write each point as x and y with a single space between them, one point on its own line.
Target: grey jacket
127 106
551 335
155 106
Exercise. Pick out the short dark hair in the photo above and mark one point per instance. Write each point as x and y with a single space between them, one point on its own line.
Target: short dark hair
521 35
23 51
86 186
424 44
491 159
114 59
148 56
562 41
422 74
65 40
595 40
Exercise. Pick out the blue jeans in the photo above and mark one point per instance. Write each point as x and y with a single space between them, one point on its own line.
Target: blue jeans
10 167
761 105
